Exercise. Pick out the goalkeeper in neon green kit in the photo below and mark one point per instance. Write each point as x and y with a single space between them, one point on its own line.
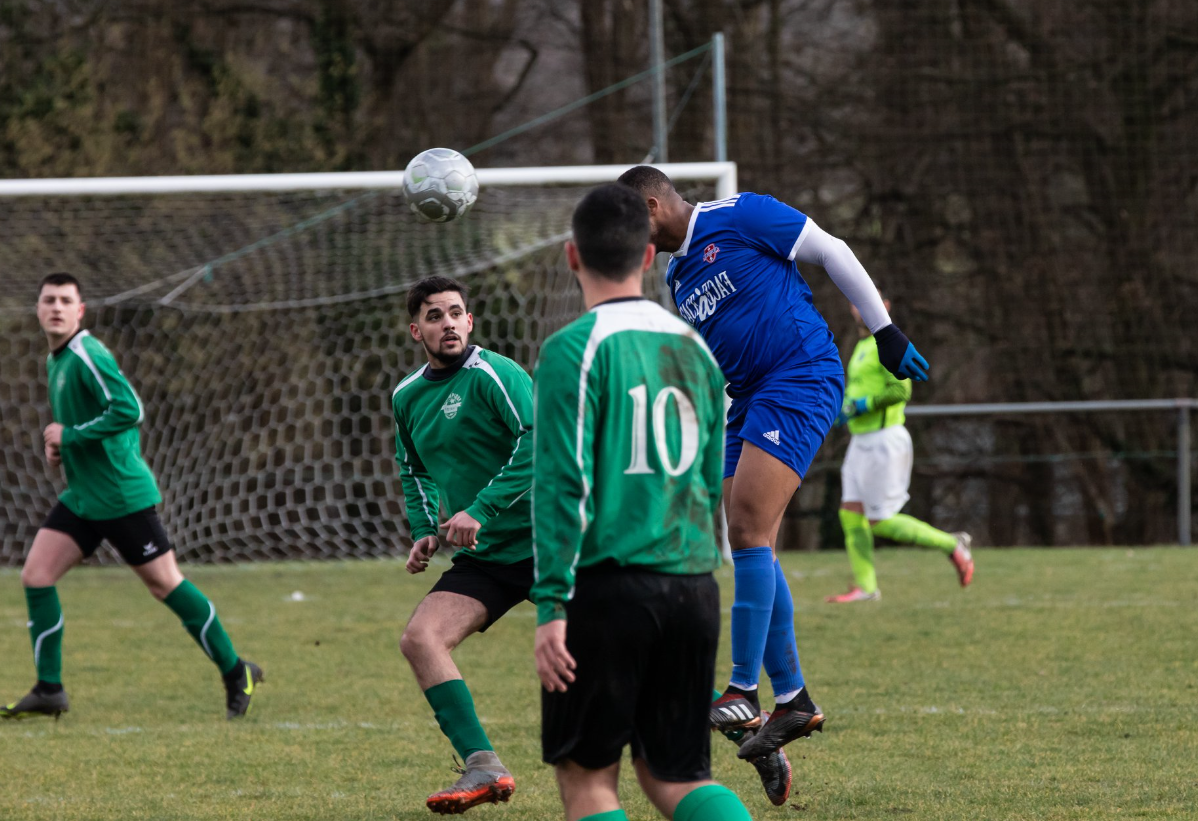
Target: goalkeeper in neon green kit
877 473
111 495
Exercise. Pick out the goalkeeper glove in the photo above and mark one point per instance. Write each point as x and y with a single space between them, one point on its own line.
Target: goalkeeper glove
853 407
898 355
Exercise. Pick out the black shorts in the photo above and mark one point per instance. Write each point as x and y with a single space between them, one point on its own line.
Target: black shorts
499 587
139 537
645 645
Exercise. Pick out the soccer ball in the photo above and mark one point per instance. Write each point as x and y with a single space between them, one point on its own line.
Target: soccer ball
440 185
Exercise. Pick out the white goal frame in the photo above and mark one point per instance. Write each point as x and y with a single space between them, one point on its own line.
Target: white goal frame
722 174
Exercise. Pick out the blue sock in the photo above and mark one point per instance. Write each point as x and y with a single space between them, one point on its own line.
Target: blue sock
781 651
753 571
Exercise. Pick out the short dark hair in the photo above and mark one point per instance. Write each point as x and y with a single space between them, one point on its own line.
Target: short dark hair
611 230
646 180
422 290
60 278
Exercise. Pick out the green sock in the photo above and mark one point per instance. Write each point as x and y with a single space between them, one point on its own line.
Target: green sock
45 632
859 542
613 815
454 709
906 529
199 617
711 803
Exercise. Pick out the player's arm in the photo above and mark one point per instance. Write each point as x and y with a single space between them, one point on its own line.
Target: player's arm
893 392
775 228
510 396
895 351
562 475
122 409
421 496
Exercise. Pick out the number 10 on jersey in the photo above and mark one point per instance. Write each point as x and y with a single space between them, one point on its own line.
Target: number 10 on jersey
688 427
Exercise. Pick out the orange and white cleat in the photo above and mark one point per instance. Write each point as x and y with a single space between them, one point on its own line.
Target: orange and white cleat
484 781
855 594
962 559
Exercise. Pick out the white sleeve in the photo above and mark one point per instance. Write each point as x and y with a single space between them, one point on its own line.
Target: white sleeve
825 250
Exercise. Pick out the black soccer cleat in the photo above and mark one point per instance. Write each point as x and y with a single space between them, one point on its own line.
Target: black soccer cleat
785 724
773 768
37 704
239 688
732 711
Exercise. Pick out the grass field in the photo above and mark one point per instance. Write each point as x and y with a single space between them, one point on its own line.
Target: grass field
1062 685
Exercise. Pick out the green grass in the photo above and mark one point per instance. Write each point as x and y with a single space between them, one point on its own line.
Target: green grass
1062 685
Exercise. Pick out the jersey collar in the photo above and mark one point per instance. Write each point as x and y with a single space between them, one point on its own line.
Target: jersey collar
441 374
690 232
67 344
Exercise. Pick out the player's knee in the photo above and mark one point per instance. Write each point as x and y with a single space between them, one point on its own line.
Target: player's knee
33 576
158 588
417 641
744 533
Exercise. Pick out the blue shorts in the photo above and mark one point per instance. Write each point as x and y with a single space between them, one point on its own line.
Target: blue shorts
787 416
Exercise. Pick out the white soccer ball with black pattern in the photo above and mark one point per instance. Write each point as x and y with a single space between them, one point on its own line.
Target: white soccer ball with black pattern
440 185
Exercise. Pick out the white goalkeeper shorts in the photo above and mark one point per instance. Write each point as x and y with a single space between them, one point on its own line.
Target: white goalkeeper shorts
877 471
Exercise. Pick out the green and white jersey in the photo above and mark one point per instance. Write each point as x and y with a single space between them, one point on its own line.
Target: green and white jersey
887 395
464 432
629 449
101 450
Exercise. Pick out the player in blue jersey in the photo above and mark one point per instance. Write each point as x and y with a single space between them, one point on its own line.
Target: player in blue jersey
733 276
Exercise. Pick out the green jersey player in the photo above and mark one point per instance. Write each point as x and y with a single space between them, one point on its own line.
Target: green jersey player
463 439
877 473
628 465
111 494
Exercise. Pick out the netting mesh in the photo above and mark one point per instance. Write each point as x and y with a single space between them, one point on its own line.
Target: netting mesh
264 333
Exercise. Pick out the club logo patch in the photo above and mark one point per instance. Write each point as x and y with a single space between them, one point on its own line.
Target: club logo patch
452 405
710 252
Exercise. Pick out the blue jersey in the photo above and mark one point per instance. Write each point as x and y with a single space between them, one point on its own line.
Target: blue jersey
735 280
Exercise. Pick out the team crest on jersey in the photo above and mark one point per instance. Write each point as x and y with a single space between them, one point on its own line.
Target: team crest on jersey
452 405
709 253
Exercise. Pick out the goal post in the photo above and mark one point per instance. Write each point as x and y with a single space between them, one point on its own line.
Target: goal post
262 320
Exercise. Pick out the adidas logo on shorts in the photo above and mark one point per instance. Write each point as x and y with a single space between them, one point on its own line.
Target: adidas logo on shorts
773 436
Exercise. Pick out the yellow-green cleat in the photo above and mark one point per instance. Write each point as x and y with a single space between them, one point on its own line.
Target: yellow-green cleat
37 704
239 688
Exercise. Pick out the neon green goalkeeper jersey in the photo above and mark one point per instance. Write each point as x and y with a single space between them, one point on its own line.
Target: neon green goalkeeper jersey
101 450
629 439
886 395
464 432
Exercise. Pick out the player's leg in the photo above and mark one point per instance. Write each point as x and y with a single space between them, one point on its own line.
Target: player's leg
859 544
611 633
589 795
756 497
440 623
142 542
790 418
468 598
672 744
52 554
892 480
855 484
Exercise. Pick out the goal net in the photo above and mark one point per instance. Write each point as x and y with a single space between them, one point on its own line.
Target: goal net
262 320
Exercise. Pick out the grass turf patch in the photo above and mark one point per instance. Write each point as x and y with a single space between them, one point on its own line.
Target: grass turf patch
1061 685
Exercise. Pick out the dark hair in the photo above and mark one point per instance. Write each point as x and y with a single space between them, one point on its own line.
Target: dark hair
59 278
646 180
428 286
611 230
